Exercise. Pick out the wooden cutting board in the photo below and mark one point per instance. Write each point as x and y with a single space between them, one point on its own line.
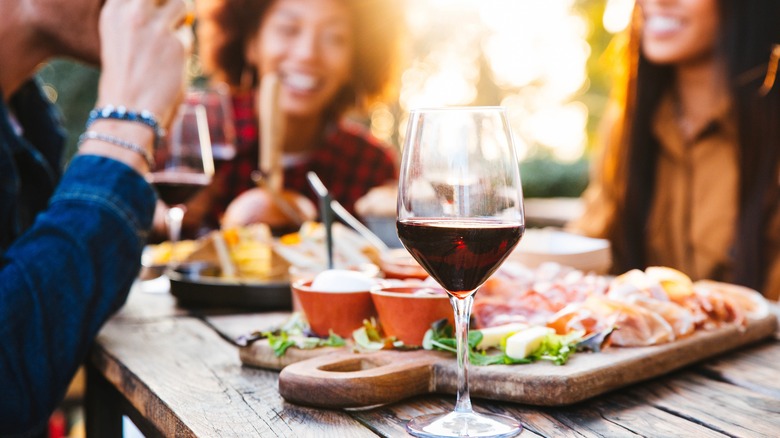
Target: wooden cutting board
338 378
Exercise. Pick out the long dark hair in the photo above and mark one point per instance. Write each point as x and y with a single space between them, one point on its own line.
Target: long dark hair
749 30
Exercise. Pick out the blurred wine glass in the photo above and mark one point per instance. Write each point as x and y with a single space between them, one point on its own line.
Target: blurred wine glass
215 99
460 214
184 164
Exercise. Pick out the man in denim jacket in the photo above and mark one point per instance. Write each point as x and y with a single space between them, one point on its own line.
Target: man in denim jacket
71 242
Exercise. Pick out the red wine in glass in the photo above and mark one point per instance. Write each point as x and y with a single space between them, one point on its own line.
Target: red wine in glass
460 215
184 164
461 254
178 188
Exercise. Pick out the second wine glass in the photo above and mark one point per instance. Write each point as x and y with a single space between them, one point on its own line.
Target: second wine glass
460 214
215 98
184 164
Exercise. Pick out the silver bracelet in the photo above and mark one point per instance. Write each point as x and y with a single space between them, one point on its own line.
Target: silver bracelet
94 135
121 113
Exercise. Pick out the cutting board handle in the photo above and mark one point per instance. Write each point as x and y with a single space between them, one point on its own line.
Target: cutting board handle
348 380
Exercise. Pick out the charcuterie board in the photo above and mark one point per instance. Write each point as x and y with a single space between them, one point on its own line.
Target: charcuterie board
338 378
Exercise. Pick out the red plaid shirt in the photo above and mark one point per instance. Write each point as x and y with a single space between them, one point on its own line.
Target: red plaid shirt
348 161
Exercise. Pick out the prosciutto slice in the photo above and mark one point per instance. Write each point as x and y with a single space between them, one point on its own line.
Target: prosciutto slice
648 307
634 325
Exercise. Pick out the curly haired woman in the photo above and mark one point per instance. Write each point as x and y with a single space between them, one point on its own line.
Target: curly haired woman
330 56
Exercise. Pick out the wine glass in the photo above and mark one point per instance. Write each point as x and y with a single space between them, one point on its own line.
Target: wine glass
460 214
184 164
219 111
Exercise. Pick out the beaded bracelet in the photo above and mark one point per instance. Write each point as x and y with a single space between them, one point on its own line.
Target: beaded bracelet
121 113
93 135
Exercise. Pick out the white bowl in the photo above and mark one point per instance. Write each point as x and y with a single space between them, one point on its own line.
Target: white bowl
384 228
540 245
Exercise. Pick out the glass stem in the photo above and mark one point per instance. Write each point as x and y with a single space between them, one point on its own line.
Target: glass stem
462 309
173 218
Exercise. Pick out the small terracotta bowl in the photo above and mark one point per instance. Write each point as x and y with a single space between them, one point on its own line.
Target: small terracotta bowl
342 312
297 273
407 312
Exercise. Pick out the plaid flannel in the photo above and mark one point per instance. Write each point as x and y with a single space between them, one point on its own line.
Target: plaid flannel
348 161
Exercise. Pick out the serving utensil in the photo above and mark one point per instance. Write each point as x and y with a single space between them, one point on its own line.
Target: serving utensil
326 213
358 226
339 210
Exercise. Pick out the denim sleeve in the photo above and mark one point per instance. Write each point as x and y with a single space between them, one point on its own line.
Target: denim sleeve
62 279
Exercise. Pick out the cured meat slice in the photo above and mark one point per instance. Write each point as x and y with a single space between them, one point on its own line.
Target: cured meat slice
635 325
649 307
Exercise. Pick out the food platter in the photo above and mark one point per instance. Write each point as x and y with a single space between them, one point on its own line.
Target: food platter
193 288
700 319
339 378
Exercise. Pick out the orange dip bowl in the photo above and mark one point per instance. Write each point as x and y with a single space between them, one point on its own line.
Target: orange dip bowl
407 312
297 273
342 312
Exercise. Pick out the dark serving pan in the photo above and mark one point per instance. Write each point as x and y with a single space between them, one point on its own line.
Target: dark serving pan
197 285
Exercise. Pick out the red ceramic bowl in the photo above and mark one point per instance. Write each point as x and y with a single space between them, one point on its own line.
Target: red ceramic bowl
407 312
299 273
342 312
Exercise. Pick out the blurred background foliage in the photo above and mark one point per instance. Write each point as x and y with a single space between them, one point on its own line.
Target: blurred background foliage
73 88
544 61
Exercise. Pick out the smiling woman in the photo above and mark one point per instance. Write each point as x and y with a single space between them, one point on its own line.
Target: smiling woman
689 174
330 56
681 34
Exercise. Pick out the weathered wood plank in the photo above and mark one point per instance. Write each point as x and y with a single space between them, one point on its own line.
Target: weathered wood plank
244 324
634 415
536 421
720 406
754 368
390 420
143 306
187 381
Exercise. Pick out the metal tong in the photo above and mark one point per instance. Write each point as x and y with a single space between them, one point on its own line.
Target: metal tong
328 207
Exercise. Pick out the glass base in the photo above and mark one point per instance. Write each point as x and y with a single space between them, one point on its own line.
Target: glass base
464 424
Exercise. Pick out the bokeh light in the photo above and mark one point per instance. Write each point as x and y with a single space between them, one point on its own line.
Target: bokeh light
617 15
527 55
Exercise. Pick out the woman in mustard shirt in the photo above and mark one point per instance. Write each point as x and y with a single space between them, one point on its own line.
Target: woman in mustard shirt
689 174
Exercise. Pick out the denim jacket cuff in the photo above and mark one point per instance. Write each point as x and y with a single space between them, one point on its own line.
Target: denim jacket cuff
111 184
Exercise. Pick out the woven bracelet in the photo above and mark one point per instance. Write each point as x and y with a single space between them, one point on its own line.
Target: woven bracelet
122 113
93 135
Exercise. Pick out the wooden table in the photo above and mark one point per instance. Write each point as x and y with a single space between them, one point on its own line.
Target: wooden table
173 375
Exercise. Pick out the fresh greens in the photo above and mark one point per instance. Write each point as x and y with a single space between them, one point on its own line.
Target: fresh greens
554 348
294 333
557 348
281 341
368 338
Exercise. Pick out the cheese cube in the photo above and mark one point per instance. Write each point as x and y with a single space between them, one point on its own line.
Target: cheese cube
492 336
521 344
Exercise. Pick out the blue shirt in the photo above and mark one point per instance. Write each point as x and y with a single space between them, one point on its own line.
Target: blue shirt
70 247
